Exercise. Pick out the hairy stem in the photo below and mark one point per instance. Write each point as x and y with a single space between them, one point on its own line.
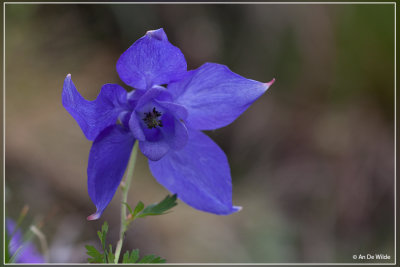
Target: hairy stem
125 190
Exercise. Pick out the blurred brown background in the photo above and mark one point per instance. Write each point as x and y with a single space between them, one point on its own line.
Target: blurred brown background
312 160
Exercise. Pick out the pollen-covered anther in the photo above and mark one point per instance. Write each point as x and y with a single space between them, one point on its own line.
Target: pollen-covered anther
151 119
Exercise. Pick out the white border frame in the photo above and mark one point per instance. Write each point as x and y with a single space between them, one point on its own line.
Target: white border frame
210 3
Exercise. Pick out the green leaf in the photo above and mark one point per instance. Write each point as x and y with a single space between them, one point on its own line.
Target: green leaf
129 207
125 258
134 256
102 235
96 256
159 208
152 259
139 207
91 251
104 228
110 255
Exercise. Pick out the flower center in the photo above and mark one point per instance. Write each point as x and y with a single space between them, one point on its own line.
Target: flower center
151 119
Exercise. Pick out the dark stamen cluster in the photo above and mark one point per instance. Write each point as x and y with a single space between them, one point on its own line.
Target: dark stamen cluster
151 119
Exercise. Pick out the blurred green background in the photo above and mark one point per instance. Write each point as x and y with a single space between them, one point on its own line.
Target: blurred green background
312 160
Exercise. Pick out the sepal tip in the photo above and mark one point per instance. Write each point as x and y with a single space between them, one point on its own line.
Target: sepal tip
93 217
159 34
268 84
237 208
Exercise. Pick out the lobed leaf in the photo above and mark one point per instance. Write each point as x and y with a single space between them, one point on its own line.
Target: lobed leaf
159 208
102 235
152 259
110 255
125 257
104 228
134 256
96 256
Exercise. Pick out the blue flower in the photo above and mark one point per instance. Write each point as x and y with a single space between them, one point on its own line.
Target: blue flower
27 253
166 113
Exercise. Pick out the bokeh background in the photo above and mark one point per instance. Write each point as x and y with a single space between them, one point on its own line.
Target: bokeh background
312 160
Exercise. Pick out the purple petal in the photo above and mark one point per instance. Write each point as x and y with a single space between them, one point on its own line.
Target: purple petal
151 60
134 96
124 117
154 150
199 174
214 96
174 132
179 111
108 159
155 142
156 92
94 116
152 135
135 127
28 253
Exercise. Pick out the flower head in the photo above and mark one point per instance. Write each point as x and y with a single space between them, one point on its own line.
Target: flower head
166 113
27 252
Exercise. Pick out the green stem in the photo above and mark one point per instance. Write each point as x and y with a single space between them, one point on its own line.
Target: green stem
125 190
